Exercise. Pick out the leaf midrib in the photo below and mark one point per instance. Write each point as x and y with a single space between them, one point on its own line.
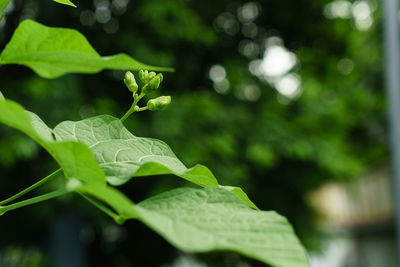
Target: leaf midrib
55 62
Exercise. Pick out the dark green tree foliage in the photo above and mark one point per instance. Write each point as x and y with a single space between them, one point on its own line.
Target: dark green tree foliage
279 147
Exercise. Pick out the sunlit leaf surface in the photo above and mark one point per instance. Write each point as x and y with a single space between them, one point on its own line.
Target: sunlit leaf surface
53 52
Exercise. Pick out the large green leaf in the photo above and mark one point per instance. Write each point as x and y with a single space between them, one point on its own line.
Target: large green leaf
119 153
209 219
122 155
75 159
191 219
52 52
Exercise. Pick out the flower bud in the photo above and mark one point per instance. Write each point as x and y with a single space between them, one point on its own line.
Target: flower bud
160 76
143 75
159 103
130 82
150 76
152 85
155 82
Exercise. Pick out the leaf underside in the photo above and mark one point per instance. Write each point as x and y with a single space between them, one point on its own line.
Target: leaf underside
53 52
193 220
199 220
122 156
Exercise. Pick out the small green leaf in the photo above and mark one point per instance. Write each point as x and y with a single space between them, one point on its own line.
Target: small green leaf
52 52
1 96
200 220
122 155
65 2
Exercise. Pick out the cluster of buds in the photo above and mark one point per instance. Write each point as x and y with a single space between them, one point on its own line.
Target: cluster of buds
151 82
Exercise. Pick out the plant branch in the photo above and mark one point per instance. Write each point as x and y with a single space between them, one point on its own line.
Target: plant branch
25 191
33 200
132 108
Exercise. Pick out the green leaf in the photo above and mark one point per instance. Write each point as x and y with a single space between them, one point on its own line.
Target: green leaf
200 220
122 155
65 2
240 194
52 52
1 96
191 219
76 159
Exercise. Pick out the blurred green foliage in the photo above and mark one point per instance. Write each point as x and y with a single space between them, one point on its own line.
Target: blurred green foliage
226 113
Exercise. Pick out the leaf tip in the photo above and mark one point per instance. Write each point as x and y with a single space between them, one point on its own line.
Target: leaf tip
170 69
2 96
65 2
240 194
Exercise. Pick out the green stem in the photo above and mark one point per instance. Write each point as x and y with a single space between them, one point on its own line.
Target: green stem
143 108
33 200
132 108
23 192
100 206
128 113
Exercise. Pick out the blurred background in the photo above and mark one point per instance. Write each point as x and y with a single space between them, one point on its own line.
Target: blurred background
283 98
